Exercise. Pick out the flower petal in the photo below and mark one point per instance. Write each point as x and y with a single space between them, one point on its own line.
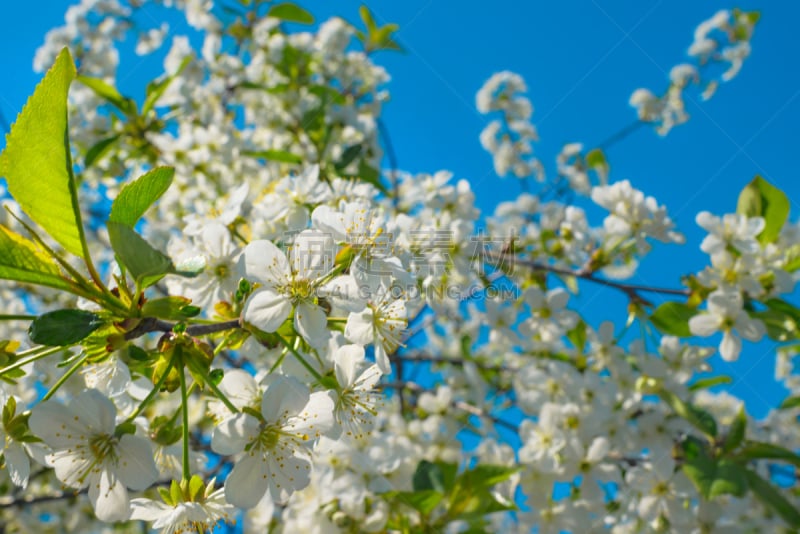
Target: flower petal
347 360
136 467
262 261
312 323
18 464
234 433
704 324
730 347
148 510
311 255
382 359
109 497
266 309
284 396
240 387
247 481
95 411
71 467
54 423
291 474
217 239
360 327
315 418
329 220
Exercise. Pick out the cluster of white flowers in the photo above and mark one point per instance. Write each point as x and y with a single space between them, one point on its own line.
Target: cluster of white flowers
509 139
340 339
742 269
721 41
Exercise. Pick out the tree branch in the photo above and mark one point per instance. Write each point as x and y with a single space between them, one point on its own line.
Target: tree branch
458 404
151 324
632 290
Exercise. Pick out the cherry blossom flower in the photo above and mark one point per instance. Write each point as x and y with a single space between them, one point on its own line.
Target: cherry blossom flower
88 453
200 513
356 398
289 284
725 313
381 323
277 445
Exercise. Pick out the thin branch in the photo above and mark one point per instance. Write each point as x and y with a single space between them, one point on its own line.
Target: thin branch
619 135
151 324
632 290
419 356
458 404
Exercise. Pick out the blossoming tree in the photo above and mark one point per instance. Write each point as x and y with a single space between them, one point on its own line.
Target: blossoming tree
219 308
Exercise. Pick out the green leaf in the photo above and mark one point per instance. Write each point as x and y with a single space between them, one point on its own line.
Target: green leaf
729 478
127 427
577 336
368 174
169 308
216 376
175 492
758 450
98 150
472 496
275 155
369 20
110 94
348 156
706 383
700 419
596 159
137 354
22 261
328 94
146 264
487 475
291 13
137 196
37 162
63 327
156 88
424 501
376 38
790 316
711 476
196 488
428 476
165 496
772 497
672 318
736 432
780 326
789 403
759 198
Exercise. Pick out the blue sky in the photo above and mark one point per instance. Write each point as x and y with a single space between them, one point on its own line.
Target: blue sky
581 59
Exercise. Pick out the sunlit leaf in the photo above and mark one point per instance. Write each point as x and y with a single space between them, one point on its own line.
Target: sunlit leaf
37 164
137 196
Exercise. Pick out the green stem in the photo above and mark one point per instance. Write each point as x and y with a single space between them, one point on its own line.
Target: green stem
278 362
185 413
153 392
65 376
17 317
222 345
81 287
35 354
300 358
220 395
